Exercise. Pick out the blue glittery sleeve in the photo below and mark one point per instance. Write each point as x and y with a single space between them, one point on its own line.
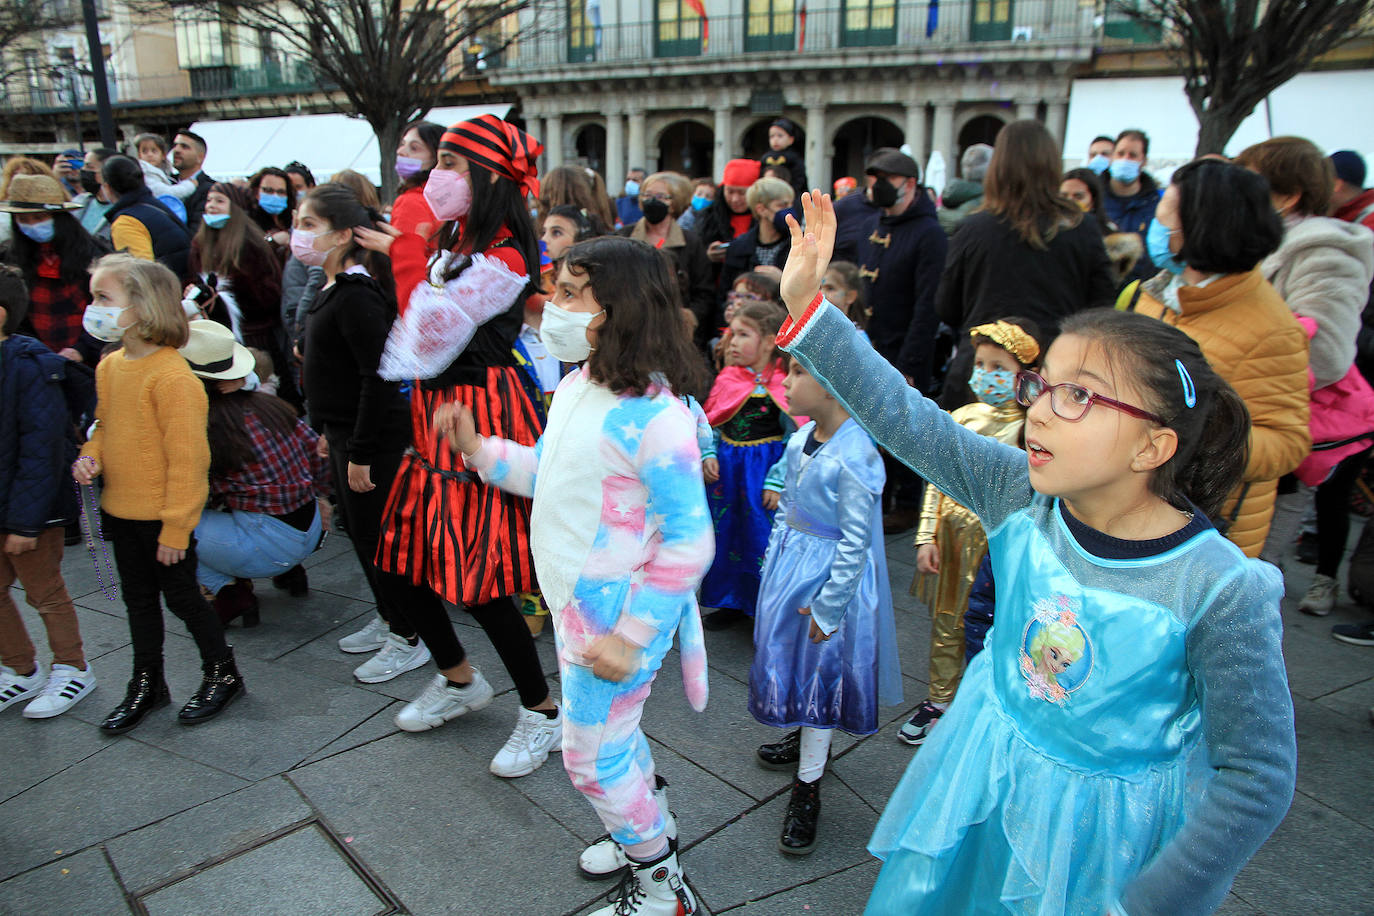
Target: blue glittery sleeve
990 478
1235 654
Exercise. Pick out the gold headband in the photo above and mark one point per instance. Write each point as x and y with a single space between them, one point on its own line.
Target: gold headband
1010 338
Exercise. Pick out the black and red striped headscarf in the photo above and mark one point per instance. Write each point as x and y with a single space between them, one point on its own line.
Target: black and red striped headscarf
498 146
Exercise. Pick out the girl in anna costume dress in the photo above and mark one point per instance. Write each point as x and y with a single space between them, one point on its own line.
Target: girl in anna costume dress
1124 743
747 408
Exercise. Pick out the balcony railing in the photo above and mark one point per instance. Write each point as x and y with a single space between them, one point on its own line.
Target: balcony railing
270 77
910 25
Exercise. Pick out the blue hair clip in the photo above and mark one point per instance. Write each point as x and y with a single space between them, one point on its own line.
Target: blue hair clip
1189 390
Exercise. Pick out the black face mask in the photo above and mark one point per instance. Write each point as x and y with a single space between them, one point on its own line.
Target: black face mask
655 211
884 194
89 182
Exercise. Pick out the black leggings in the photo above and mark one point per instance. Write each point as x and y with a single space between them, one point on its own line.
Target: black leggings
146 582
1333 512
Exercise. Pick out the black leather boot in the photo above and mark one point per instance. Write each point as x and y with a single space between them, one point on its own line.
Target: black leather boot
782 755
294 581
221 686
798 836
147 691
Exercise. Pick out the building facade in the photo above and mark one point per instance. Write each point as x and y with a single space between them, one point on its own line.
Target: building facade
656 84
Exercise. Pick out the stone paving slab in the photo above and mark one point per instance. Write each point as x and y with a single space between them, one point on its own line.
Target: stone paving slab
124 786
840 894
442 833
742 863
303 867
178 844
36 750
79 885
283 717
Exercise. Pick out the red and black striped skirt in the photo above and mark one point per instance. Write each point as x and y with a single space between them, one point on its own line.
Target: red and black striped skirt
443 527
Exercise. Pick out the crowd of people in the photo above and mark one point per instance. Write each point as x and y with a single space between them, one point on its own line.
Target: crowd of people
525 399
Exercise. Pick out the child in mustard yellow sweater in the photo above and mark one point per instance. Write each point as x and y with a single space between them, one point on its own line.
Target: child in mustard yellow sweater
149 442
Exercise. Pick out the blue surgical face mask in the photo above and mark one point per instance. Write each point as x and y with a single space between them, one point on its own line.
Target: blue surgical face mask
272 203
1125 171
992 386
39 232
700 203
216 220
1099 163
631 188
1157 247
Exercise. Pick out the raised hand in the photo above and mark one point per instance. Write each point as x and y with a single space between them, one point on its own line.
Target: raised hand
811 252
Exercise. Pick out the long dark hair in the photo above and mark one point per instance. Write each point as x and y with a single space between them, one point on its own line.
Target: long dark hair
643 338
1094 185
231 448
338 206
430 135
1022 184
1213 434
495 204
237 248
76 250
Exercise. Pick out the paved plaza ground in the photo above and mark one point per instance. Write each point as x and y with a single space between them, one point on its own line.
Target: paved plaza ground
305 799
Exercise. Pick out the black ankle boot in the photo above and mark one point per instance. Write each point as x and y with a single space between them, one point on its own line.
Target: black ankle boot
799 823
147 691
782 755
294 581
222 684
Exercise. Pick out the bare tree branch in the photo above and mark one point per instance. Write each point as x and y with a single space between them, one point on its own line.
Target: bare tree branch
1234 53
392 59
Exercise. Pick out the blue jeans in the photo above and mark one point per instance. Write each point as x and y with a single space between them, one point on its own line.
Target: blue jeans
248 545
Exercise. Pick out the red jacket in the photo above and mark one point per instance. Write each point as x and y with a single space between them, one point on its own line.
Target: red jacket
1360 210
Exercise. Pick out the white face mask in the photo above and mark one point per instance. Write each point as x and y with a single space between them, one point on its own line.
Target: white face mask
565 333
102 322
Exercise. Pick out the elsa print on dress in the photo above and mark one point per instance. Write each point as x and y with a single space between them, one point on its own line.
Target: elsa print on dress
1056 654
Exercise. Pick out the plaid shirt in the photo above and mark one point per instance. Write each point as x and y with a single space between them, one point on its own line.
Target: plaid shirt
56 307
286 474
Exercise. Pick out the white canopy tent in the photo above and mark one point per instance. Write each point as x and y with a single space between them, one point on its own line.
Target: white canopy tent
1323 107
326 143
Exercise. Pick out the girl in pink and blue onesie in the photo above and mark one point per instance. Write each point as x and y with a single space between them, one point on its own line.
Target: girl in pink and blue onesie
621 537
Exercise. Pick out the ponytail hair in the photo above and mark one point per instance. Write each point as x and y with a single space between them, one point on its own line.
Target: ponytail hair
338 205
1211 421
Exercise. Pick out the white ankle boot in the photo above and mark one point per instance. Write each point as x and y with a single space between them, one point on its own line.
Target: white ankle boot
656 888
604 858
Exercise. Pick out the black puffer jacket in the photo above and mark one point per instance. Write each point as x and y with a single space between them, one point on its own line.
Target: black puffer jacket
36 448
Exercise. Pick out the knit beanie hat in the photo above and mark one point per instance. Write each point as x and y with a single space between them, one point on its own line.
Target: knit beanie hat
741 173
497 146
787 125
1349 167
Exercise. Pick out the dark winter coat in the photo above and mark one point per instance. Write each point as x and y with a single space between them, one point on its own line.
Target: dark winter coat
1133 214
742 257
901 264
171 240
855 218
36 449
195 204
791 160
991 273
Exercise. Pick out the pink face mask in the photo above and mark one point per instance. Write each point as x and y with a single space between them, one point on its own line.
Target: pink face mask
303 247
448 194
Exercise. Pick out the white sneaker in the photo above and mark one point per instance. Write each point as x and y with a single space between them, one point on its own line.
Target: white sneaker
369 639
396 658
1320 597
66 685
439 702
16 689
605 859
529 745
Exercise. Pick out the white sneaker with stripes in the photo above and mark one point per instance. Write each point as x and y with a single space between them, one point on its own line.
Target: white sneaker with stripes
66 686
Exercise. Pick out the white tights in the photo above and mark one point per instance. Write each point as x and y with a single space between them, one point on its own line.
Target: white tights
815 751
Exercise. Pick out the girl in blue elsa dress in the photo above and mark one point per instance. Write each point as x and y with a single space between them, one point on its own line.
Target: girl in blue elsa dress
825 643
1125 742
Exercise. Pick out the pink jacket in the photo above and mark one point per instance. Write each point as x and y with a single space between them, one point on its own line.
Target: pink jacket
1338 412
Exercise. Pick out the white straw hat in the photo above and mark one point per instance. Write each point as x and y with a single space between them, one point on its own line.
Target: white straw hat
213 353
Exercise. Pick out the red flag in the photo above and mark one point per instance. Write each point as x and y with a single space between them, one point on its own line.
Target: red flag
697 7
801 39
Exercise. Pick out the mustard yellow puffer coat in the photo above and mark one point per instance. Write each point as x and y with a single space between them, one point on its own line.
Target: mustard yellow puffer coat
1252 340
